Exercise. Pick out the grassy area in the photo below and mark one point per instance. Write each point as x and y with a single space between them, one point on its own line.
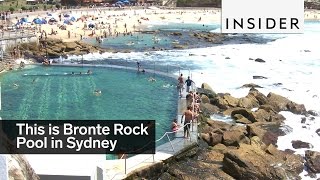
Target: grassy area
17 5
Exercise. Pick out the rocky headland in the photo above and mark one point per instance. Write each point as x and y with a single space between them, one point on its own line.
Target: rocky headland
18 166
245 149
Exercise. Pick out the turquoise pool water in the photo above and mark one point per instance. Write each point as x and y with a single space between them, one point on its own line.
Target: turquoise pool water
126 95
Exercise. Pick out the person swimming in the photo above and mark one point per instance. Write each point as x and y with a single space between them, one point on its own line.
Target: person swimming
89 72
97 92
151 79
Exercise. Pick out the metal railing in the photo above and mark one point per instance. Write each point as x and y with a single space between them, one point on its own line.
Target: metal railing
166 134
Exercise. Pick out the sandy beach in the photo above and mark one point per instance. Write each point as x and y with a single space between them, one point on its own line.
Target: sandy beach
111 22
108 22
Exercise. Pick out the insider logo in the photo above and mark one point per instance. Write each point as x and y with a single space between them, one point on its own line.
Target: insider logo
262 16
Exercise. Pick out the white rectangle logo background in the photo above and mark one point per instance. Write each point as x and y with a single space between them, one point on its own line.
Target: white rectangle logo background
275 9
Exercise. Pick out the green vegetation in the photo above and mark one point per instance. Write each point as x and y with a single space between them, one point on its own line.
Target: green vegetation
17 5
198 3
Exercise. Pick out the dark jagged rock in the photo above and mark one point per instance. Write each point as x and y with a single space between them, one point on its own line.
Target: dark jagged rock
251 85
303 120
176 34
259 77
318 131
300 144
312 161
313 113
260 60
277 84
296 108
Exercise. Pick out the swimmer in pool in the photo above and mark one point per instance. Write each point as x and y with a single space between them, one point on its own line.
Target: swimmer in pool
151 79
97 92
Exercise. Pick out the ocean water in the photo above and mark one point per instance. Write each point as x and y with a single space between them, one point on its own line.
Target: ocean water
291 68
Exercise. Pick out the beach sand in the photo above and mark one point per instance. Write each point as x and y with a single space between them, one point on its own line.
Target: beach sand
129 20
120 21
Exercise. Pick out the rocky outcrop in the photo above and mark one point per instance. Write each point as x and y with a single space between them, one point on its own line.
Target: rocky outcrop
245 113
251 85
251 162
20 169
297 144
215 38
208 109
54 48
226 101
212 139
259 77
280 103
176 34
248 102
312 161
260 60
232 137
179 46
18 166
205 99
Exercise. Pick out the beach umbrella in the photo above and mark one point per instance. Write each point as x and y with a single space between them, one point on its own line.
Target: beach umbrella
52 20
72 19
91 25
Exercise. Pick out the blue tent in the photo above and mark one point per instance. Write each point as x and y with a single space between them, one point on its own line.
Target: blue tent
72 19
66 15
19 23
67 21
44 21
24 20
37 21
